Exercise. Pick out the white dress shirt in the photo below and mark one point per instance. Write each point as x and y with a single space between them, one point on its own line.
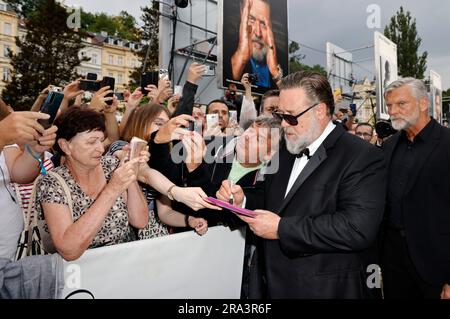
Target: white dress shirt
301 162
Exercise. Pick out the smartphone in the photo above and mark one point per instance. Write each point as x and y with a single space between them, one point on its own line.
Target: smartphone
53 88
137 145
164 74
119 96
89 85
209 71
233 116
353 109
147 79
51 106
178 89
211 120
91 76
198 127
191 127
111 82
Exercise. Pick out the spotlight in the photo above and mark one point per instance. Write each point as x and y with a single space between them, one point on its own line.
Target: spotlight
181 3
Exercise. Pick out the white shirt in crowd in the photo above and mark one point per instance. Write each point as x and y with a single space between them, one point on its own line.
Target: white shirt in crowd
11 219
300 163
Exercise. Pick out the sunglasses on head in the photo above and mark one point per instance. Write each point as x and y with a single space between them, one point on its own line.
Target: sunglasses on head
292 119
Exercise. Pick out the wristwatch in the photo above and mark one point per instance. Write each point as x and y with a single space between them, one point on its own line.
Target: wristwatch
169 192
186 220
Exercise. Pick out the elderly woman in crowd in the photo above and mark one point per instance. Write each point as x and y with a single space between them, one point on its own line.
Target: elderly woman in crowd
105 197
144 121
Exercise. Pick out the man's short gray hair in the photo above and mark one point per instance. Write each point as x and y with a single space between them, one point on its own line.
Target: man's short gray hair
418 88
269 122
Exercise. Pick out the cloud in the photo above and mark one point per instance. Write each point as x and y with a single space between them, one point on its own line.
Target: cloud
343 22
314 22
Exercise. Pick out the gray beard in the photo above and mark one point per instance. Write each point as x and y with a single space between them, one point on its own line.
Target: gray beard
295 147
260 55
301 142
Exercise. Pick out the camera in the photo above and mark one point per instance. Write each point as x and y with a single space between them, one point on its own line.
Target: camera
209 71
253 78
89 85
384 129
91 76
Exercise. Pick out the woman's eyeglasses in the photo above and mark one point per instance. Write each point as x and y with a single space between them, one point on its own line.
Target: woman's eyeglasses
292 119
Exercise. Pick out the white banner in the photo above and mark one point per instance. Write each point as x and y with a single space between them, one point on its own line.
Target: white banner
435 109
339 68
181 266
386 69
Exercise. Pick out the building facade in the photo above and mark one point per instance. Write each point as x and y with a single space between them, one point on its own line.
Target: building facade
9 30
119 60
93 51
108 56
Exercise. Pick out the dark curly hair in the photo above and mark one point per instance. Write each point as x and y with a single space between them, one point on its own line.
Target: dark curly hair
77 120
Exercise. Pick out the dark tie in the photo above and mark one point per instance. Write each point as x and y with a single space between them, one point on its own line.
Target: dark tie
305 152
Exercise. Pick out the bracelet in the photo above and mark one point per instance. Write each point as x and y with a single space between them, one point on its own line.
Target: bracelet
186 220
169 192
37 158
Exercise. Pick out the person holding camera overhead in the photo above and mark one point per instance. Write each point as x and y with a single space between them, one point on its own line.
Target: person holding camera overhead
94 198
142 123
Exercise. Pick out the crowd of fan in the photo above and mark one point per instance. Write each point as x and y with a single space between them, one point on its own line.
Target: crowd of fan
76 183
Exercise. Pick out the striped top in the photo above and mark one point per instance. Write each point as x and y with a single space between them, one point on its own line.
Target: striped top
24 190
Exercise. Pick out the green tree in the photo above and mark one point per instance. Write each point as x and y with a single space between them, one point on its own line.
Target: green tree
126 26
24 7
149 35
99 22
402 30
295 61
47 55
123 26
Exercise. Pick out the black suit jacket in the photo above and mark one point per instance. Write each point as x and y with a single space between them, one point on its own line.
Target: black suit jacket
426 212
329 219
209 176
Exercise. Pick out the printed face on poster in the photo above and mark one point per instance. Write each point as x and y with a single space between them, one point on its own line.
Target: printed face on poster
253 39
436 96
386 70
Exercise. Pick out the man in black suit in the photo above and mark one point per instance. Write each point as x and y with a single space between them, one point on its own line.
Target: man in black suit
416 248
324 205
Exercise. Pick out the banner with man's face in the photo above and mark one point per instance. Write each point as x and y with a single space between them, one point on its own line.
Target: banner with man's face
436 96
386 69
253 39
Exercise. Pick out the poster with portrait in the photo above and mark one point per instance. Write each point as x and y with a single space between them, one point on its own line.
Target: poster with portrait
435 109
386 70
252 38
